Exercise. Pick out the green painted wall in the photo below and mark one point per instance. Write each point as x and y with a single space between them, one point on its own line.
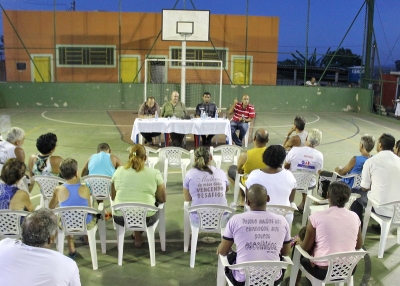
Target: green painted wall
118 96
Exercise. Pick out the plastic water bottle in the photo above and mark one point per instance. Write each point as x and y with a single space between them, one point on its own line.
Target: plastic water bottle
216 113
156 115
202 115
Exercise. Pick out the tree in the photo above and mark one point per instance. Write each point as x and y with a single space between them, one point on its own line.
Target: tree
344 58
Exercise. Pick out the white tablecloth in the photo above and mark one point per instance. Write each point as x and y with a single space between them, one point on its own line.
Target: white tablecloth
193 126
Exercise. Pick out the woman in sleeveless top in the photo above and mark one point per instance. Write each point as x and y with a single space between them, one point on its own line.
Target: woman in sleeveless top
10 196
44 163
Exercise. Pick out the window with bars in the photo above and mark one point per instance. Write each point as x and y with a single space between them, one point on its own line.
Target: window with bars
86 56
200 54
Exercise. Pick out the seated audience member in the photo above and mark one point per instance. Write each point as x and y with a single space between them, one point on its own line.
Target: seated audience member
250 160
31 261
380 176
243 230
149 109
72 194
243 113
356 163
280 183
11 147
137 183
45 163
11 197
397 148
306 159
102 163
204 184
299 139
326 233
174 108
312 82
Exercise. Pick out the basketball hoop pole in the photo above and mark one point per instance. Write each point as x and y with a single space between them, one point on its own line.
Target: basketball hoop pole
183 71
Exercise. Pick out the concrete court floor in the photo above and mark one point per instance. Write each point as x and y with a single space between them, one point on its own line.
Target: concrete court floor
79 133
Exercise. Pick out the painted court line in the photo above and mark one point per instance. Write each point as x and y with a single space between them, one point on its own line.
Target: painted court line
79 123
383 126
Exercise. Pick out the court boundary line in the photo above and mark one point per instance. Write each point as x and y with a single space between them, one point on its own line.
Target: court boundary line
79 123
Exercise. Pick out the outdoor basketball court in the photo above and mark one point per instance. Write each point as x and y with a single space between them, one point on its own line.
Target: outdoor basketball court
79 133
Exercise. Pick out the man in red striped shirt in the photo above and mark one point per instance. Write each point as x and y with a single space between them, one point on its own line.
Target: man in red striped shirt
243 113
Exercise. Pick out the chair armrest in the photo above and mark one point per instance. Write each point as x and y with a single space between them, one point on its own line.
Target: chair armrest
186 205
287 259
224 260
303 252
320 201
293 205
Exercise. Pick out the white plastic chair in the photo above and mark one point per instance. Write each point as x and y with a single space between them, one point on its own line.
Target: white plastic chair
303 180
172 157
10 223
210 219
386 223
257 272
340 267
47 185
281 210
135 220
238 186
74 223
229 154
246 137
323 204
100 186
151 160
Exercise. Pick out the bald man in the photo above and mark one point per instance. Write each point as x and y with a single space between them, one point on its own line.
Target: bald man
254 232
174 108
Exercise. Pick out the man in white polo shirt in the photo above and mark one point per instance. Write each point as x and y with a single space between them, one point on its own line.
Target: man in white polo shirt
380 175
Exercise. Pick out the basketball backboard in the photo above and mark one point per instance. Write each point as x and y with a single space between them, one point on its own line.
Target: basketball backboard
189 25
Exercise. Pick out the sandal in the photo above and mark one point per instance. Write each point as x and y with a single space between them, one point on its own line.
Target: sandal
108 216
300 209
72 255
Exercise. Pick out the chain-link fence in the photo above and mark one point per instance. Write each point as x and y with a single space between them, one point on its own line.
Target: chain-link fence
329 43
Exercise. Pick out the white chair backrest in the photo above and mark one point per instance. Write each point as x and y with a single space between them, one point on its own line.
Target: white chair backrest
134 214
10 223
340 265
303 179
280 210
148 151
352 198
210 216
47 184
174 155
228 152
74 219
99 185
261 272
357 181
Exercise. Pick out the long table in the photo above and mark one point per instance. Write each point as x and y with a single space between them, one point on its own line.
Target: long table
194 126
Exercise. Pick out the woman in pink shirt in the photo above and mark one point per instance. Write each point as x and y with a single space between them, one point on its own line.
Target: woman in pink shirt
336 229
